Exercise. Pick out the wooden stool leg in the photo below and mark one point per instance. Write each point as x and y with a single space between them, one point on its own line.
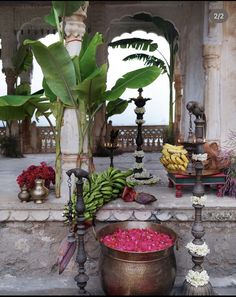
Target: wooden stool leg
218 188
170 184
178 192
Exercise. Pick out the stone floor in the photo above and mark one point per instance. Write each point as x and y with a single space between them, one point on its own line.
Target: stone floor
11 168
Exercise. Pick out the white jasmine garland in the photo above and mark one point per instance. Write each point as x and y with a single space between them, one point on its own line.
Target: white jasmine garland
139 121
197 279
138 165
198 200
138 153
132 178
200 250
139 110
199 157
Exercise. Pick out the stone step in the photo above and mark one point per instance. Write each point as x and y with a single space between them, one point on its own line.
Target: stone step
66 286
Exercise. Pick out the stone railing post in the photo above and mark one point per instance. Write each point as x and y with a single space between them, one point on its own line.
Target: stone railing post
74 30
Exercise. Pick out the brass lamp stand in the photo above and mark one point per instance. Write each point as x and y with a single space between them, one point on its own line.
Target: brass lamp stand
82 278
202 287
140 175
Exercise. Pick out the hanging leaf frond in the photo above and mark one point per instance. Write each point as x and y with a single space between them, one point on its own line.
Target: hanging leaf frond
148 60
136 43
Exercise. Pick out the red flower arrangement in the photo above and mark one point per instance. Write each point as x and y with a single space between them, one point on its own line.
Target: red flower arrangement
42 171
137 240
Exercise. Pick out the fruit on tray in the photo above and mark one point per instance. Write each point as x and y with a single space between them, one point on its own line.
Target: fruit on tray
174 157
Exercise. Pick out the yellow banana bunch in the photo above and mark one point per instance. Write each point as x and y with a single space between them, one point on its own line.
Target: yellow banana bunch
174 157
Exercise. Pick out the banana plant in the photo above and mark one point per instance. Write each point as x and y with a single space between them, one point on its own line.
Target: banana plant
171 35
21 107
79 82
21 61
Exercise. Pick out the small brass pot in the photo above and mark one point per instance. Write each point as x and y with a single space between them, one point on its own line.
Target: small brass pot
39 193
137 273
24 195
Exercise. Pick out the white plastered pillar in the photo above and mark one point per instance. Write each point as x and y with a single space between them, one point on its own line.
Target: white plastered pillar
74 30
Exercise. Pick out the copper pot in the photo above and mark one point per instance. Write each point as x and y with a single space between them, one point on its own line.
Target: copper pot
135 273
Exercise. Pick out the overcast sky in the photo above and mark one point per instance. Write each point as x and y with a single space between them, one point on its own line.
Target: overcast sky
156 109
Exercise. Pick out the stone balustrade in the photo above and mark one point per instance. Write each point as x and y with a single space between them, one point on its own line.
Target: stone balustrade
153 136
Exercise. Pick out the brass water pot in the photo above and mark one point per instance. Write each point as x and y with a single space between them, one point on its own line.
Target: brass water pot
39 193
137 273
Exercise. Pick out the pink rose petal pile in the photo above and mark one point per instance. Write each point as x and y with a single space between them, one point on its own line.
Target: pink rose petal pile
137 240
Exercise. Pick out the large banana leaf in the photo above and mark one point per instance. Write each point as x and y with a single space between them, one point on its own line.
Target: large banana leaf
136 43
13 113
15 100
57 68
87 57
48 92
134 79
16 107
23 59
93 88
116 107
23 89
63 8
86 39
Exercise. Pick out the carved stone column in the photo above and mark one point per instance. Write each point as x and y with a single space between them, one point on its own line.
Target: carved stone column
10 80
211 54
74 31
178 101
8 41
211 63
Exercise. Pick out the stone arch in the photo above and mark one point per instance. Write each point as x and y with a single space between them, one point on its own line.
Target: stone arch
127 24
35 29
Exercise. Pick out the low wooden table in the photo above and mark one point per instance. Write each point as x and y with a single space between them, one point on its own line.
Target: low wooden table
181 180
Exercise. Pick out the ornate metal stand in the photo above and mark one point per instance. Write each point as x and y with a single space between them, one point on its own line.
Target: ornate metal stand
140 175
190 145
82 278
111 147
189 289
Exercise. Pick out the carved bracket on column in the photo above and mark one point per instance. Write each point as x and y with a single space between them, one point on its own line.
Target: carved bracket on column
74 25
211 55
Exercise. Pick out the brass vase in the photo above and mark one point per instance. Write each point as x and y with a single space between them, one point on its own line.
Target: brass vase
39 193
24 195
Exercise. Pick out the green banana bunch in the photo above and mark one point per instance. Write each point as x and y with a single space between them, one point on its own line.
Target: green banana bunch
105 187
